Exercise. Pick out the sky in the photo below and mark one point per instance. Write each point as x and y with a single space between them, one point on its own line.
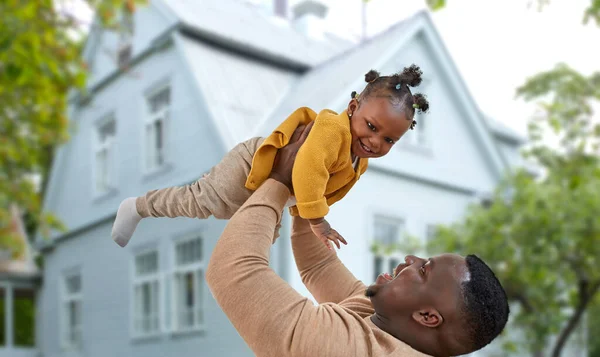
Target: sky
496 44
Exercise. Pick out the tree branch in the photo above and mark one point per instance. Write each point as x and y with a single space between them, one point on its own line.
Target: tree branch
586 294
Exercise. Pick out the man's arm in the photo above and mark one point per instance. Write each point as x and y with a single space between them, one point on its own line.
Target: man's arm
270 315
325 276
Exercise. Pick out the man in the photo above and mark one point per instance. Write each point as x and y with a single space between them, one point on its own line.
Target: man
444 306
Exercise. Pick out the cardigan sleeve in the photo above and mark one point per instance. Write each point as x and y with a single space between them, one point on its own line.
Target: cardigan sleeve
317 156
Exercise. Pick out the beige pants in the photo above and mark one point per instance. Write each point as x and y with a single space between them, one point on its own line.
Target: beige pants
220 193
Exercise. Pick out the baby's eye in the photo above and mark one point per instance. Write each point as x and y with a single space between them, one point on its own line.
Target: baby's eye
370 126
389 141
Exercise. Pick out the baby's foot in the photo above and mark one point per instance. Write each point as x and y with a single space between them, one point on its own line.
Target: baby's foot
126 221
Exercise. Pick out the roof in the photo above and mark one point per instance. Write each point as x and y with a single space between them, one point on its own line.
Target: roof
329 84
240 91
22 266
503 132
322 84
245 25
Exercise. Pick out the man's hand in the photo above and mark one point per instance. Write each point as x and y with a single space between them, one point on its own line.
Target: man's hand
286 156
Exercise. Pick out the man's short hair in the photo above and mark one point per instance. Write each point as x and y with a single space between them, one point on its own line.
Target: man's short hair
485 305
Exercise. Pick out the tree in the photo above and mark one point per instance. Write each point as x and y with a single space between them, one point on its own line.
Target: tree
40 64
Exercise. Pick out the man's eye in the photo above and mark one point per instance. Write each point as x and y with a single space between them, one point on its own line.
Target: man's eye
422 270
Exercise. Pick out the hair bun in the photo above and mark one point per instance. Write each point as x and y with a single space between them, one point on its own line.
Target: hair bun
411 75
421 102
371 76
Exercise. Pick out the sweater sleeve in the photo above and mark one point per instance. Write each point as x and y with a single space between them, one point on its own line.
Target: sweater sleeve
272 317
312 167
324 275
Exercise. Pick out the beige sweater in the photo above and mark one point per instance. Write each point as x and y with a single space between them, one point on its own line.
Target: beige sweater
272 317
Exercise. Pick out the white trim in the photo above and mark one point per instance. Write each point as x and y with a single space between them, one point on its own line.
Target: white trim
392 220
422 23
198 271
66 298
137 281
110 148
482 131
149 118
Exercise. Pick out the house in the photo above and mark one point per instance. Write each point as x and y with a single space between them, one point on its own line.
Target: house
169 99
19 282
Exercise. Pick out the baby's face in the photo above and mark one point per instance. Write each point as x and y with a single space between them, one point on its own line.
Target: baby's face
376 126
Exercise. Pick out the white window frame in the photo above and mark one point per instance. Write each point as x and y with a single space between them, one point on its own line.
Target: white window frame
152 164
420 137
125 42
138 281
396 256
197 269
430 231
109 147
67 298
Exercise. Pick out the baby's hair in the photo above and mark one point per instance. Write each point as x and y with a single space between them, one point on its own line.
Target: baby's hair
396 88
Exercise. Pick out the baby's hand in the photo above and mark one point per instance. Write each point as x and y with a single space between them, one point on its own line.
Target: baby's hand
325 233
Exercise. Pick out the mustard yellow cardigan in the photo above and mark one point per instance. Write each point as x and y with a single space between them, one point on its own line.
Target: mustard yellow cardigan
323 172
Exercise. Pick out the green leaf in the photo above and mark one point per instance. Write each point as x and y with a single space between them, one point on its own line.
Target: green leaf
436 4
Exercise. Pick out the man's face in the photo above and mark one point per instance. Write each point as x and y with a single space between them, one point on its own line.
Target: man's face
418 287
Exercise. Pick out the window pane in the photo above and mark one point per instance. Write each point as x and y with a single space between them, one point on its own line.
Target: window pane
158 130
392 264
378 267
159 100
101 170
199 297
106 131
150 148
73 284
189 252
2 318
24 317
386 232
73 321
146 263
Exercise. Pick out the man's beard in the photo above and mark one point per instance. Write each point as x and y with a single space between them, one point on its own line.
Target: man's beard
369 292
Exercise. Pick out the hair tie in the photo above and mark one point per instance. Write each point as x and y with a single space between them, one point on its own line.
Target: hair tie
416 106
398 86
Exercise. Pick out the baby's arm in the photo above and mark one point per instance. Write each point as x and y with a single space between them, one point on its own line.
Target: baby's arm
311 173
325 233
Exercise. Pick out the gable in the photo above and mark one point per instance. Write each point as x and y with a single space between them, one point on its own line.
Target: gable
412 41
239 91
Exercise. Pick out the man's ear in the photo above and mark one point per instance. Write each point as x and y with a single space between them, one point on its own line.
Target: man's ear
429 317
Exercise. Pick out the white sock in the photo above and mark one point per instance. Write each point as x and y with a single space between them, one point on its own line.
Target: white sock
126 221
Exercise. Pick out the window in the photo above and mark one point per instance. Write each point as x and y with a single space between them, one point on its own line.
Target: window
430 233
387 234
71 311
418 136
125 38
158 112
104 155
188 286
146 314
